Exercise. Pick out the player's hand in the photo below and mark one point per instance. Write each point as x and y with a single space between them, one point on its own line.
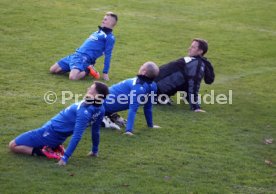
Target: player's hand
105 77
91 154
199 110
61 163
156 127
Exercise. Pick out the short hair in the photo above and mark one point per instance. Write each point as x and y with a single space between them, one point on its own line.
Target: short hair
112 15
202 45
101 89
152 70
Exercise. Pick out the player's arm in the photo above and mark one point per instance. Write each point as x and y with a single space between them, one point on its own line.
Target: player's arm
82 119
110 41
133 106
193 89
95 135
148 108
193 94
148 113
131 116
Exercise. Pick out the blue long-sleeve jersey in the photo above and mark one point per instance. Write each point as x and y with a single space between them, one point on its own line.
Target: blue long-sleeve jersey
99 43
74 120
130 94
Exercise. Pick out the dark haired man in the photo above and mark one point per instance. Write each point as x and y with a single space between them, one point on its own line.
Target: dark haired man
71 121
186 73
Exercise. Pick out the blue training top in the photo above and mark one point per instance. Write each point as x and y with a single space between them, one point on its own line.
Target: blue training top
130 94
99 43
74 120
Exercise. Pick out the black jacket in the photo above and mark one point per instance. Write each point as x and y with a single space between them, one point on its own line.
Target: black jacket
185 74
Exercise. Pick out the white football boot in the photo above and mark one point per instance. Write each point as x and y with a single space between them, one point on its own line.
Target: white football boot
107 123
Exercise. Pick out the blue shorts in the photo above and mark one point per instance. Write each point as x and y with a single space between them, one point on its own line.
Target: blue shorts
75 61
40 137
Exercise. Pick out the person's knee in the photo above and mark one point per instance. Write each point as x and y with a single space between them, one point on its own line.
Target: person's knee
73 77
55 68
52 69
81 75
76 74
12 145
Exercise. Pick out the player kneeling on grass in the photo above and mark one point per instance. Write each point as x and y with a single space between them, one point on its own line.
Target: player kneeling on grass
47 140
131 93
82 61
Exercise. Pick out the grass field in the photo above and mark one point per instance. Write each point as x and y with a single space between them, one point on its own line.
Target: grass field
221 151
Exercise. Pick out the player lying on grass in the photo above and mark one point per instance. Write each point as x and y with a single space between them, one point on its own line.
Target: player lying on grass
131 93
186 73
73 120
80 63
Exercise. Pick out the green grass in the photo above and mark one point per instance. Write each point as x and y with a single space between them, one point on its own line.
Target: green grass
221 151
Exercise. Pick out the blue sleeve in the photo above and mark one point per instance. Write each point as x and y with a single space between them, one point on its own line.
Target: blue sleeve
133 106
148 105
95 133
110 41
148 113
82 119
131 118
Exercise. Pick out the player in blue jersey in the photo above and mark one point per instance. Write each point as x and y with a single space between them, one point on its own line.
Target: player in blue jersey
71 121
81 62
131 93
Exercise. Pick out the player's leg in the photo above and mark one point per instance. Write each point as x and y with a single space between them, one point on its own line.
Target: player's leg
76 74
55 69
107 123
93 72
29 143
117 119
61 66
78 66
22 149
33 142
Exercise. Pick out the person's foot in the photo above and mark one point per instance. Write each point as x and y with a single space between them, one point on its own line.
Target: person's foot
164 101
50 153
117 119
59 149
93 72
128 133
107 123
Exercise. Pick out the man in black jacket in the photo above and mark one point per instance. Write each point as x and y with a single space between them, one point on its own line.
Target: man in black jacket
185 74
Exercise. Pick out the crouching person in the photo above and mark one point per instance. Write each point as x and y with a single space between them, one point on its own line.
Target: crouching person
130 95
72 121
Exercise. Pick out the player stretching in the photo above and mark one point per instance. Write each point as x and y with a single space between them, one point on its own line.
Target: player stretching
71 121
82 61
131 93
